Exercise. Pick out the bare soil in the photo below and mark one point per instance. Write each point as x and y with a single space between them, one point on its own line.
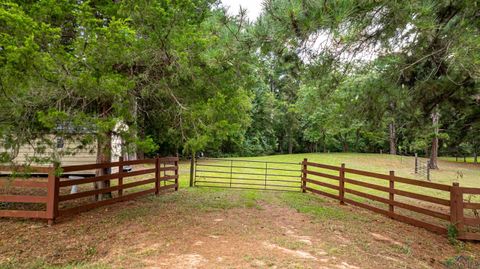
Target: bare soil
178 231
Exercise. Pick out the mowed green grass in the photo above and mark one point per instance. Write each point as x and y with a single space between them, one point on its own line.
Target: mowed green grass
459 159
468 175
249 173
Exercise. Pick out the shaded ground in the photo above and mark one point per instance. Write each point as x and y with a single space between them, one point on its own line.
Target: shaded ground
202 228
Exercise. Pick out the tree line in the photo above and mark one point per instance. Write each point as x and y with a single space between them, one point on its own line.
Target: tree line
187 77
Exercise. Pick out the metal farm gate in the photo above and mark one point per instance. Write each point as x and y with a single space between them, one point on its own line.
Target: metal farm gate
248 174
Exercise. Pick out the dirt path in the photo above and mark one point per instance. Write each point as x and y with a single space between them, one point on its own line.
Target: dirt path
185 231
244 238
279 237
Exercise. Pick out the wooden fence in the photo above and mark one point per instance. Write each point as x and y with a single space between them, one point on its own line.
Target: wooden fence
56 201
337 182
40 197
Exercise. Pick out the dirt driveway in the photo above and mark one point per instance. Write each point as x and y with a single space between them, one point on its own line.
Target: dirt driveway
228 229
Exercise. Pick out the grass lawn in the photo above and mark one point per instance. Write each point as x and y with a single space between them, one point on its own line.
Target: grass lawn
468 175
224 228
459 159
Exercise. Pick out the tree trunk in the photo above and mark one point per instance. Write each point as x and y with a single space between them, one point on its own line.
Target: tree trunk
357 140
280 144
289 140
344 142
103 156
140 154
434 150
133 154
141 134
290 144
324 143
393 138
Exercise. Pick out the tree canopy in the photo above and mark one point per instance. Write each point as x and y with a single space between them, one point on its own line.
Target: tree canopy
185 76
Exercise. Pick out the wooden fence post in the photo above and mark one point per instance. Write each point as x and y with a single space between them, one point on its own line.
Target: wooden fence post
428 170
176 174
157 175
391 195
341 191
164 173
192 167
456 207
304 175
120 179
266 174
53 188
416 163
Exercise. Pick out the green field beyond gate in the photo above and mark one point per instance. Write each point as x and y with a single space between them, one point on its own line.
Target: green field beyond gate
248 174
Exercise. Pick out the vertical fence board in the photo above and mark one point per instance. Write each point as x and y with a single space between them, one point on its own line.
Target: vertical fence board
192 170
391 195
120 179
416 163
176 174
454 207
52 196
341 191
304 175
157 175
460 212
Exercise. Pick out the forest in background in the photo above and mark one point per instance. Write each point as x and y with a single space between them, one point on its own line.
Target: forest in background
357 76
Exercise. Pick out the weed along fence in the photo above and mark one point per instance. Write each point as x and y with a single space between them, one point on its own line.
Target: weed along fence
58 196
404 199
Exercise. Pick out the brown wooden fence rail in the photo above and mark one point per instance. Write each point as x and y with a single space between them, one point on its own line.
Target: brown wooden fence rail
58 202
445 210
39 197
